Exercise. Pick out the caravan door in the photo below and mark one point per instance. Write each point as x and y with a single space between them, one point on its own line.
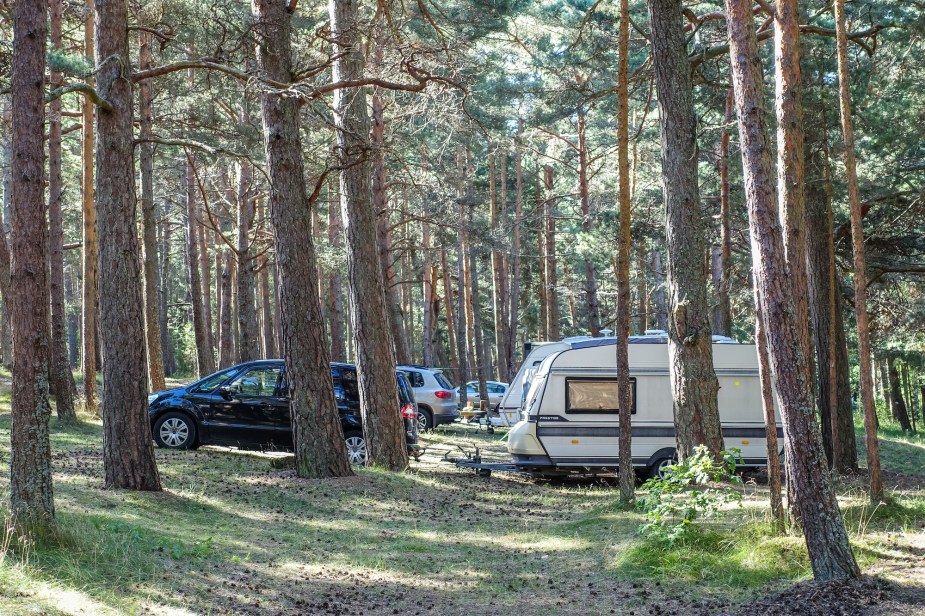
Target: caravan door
578 423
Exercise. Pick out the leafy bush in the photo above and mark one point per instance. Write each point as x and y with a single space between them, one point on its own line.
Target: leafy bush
691 490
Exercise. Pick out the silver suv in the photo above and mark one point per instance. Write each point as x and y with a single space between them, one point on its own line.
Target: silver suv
437 399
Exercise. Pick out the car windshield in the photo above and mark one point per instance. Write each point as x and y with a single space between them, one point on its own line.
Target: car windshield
445 384
212 381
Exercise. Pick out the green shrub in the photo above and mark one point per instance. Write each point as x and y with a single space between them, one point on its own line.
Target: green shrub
691 490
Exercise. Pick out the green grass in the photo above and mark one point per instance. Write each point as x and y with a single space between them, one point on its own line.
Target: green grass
230 531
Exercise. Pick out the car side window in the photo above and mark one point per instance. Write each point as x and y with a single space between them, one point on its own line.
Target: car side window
211 382
495 389
257 382
416 378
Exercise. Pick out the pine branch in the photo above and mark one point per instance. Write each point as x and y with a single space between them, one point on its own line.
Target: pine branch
86 89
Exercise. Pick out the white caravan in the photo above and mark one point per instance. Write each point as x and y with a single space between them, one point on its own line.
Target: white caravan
570 423
510 409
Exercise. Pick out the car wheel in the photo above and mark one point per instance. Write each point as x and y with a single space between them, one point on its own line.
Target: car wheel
356 447
658 469
425 420
175 431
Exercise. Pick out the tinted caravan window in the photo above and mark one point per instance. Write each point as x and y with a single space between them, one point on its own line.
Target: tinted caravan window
595 395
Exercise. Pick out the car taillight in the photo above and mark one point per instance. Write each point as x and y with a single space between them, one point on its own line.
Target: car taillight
409 412
443 395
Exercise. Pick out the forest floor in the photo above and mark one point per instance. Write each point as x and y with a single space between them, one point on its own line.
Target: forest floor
231 534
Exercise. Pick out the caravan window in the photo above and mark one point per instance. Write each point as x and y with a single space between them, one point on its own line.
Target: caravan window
595 395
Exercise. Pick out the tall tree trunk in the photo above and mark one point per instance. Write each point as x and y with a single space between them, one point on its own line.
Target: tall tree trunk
380 205
73 317
204 364
248 331
481 365
6 337
553 330
658 292
450 320
385 434
91 288
335 295
770 421
61 380
205 265
826 539
622 327
790 173
149 218
317 436
857 242
642 291
690 349
584 195
462 336
164 299
900 411
266 305
128 449
542 326
514 292
31 495
429 317
722 268
226 328
499 264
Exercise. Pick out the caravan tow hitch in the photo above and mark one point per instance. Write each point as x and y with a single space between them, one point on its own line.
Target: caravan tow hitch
473 460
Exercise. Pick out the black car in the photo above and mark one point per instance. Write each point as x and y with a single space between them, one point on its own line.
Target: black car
247 406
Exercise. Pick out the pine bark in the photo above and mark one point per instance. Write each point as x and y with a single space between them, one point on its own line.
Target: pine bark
857 244
385 434
501 275
90 245
693 380
450 320
514 292
396 314
73 317
204 364
542 325
722 268
165 295
31 493
900 412
61 380
128 449
622 326
790 166
248 330
266 306
826 539
335 295
205 265
462 333
429 317
770 421
149 218
837 437
226 356
553 329
317 436
592 303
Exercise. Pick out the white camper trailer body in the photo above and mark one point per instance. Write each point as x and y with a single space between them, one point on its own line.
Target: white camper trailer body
571 418
508 412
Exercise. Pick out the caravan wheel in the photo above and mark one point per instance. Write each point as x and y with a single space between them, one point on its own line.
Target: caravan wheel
658 469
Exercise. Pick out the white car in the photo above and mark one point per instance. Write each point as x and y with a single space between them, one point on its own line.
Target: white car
496 391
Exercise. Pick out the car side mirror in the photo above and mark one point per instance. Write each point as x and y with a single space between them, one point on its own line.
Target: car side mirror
225 392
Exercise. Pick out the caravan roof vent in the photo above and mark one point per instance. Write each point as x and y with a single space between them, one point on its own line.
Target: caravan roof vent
656 332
